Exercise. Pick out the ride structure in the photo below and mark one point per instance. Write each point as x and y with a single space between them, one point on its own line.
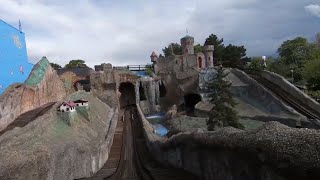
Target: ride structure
14 67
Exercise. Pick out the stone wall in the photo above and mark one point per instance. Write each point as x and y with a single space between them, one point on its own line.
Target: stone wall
42 86
49 148
150 88
292 90
236 154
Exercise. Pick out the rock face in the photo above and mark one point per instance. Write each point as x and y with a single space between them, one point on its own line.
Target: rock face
73 77
273 151
172 112
50 148
202 109
292 90
42 86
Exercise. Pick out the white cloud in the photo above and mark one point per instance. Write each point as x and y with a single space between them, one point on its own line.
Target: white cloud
314 9
127 32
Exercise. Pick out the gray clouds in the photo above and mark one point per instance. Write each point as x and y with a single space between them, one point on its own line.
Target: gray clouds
127 32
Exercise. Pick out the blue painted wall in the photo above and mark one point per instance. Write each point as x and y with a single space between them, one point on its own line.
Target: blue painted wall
14 65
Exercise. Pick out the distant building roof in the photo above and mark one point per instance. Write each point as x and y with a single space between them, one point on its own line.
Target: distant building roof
80 101
70 104
187 37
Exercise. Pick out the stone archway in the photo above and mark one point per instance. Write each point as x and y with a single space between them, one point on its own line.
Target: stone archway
128 94
83 84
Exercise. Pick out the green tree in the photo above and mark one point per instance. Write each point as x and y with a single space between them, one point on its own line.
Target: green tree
294 51
234 56
218 45
198 48
318 39
55 66
174 48
221 98
78 63
311 74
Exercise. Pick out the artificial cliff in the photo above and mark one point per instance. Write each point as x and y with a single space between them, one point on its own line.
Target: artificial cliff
59 145
292 91
42 86
273 151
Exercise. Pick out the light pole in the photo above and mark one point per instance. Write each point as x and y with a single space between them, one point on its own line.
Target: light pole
292 75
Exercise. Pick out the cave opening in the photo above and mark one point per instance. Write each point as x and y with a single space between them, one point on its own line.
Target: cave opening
82 85
141 93
190 100
128 95
162 89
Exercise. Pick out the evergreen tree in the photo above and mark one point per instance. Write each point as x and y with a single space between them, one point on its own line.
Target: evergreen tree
55 66
223 102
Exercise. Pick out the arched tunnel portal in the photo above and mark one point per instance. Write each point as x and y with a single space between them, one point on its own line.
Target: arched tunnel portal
128 94
190 100
82 84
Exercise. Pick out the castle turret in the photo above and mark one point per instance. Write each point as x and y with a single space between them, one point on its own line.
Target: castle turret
187 45
208 53
154 57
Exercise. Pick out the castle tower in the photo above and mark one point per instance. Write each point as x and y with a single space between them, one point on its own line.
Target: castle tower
187 45
154 57
208 53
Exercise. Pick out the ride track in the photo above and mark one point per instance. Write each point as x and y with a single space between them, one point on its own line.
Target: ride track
28 117
289 100
135 161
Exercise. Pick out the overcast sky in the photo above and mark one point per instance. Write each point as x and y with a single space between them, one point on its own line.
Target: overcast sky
126 32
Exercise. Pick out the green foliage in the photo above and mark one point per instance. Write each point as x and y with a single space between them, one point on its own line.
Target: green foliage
149 70
78 63
174 48
300 56
314 94
255 65
229 56
294 51
233 56
311 72
55 66
218 45
221 98
198 48
318 39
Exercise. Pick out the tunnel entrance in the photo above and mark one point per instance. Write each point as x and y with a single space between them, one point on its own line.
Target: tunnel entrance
190 100
162 89
82 85
128 95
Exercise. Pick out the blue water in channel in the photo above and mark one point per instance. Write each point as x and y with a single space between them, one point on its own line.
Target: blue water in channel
157 120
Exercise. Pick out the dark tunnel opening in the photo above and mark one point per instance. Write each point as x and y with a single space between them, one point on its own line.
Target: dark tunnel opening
190 100
141 93
162 89
82 84
128 95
